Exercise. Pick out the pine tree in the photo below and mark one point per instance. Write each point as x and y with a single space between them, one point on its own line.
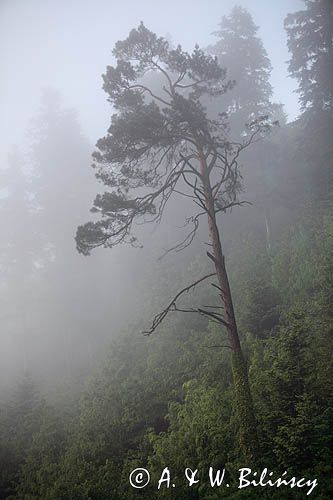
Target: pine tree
16 257
310 41
242 53
161 144
65 285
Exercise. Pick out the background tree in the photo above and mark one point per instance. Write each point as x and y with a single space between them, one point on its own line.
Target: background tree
310 41
16 262
241 52
19 419
166 143
64 284
170 398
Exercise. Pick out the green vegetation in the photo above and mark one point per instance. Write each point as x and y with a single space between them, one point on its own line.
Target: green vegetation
169 399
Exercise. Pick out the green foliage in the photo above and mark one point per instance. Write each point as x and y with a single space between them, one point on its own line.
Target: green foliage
124 421
200 435
166 400
310 41
157 139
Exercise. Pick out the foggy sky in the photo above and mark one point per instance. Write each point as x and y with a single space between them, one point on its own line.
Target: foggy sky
66 44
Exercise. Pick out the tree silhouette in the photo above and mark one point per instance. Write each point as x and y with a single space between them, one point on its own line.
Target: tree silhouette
241 51
162 143
310 41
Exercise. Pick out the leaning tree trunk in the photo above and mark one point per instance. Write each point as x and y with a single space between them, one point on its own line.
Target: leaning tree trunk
248 439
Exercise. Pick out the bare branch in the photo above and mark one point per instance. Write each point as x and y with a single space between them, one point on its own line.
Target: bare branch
188 239
213 315
211 257
232 204
187 161
194 84
146 89
172 305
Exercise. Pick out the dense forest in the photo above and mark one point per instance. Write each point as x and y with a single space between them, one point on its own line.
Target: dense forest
221 327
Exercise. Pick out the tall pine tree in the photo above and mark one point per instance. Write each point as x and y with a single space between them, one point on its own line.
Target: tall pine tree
241 51
310 41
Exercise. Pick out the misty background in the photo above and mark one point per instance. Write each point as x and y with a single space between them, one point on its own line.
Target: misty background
85 397
67 46
60 309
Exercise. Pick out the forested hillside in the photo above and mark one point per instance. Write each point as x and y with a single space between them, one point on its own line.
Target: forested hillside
178 396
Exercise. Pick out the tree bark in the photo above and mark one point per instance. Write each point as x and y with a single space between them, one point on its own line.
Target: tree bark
248 439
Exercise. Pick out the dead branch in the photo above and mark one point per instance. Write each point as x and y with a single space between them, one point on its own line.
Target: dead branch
172 306
217 317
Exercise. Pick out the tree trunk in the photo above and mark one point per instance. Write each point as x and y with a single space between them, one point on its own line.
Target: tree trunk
248 438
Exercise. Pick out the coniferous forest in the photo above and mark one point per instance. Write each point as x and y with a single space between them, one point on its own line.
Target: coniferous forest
166 294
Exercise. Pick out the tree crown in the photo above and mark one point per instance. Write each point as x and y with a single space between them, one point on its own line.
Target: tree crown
310 41
157 138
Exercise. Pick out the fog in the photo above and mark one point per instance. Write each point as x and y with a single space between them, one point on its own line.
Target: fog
67 46
60 310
